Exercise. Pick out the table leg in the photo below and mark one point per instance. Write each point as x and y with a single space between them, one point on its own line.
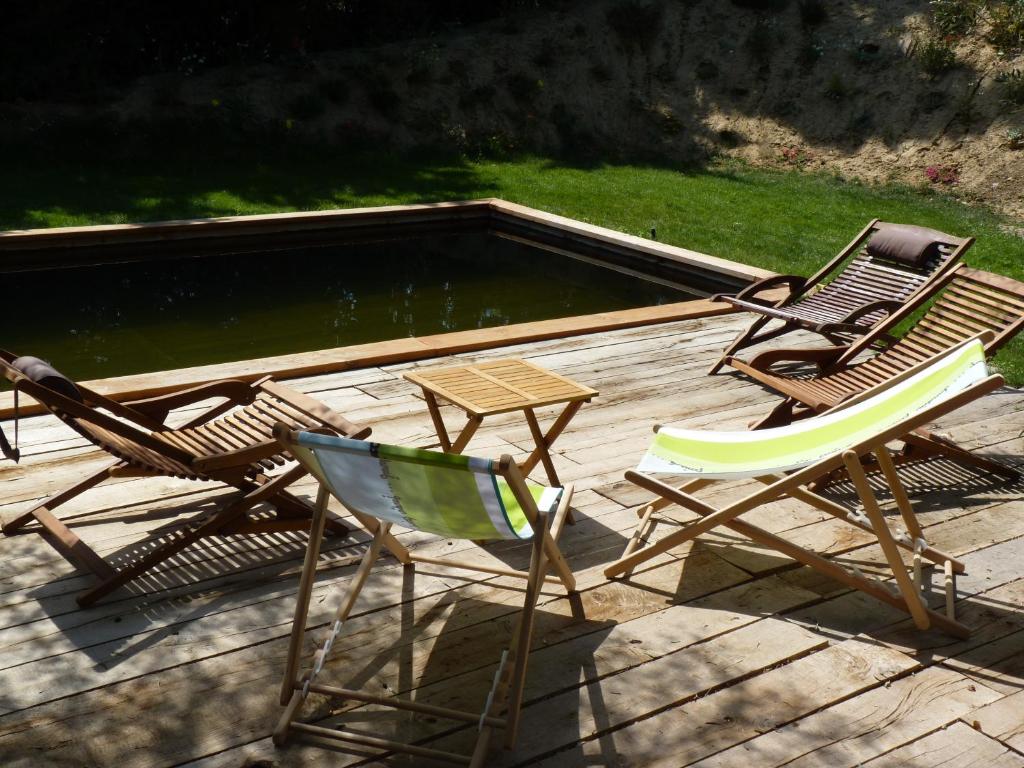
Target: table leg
467 432
540 452
435 416
544 442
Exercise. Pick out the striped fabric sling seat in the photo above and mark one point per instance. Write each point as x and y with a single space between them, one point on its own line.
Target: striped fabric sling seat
450 495
785 459
885 267
969 302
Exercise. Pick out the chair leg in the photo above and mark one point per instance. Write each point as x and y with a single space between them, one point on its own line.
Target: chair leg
743 339
316 532
911 597
726 517
14 525
524 633
292 694
779 416
548 541
189 534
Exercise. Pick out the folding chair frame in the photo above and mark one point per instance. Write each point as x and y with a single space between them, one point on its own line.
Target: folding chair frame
502 708
801 288
226 458
908 596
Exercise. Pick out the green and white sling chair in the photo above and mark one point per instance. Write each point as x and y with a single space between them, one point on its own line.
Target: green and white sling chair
784 459
454 496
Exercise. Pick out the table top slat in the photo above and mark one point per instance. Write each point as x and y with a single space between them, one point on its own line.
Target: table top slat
499 386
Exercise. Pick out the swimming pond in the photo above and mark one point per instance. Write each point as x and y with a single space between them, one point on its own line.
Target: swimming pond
113 319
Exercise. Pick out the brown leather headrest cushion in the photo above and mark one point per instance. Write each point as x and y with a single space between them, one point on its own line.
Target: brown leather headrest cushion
41 372
906 243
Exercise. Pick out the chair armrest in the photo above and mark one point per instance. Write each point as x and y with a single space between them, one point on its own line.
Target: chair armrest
796 285
821 356
316 410
158 407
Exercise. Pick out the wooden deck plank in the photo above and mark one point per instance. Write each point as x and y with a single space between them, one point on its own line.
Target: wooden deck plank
857 729
1001 720
955 747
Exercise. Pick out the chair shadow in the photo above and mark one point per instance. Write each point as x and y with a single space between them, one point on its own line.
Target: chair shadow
447 655
211 576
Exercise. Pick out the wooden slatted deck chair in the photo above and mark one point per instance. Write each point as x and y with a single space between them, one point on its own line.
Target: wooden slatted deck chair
450 495
231 442
969 302
810 448
884 267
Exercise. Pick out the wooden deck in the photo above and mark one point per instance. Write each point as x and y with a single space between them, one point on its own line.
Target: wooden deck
722 654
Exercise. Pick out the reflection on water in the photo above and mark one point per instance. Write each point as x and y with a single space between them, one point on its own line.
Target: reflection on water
117 319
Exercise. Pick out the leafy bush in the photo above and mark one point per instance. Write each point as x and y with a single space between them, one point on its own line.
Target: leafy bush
91 46
942 174
836 88
1013 87
797 156
955 17
1015 138
1006 19
935 56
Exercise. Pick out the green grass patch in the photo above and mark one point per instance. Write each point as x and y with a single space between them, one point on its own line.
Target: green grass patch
784 221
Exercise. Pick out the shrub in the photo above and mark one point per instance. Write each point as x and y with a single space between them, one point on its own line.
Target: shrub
935 56
1006 21
1015 138
812 13
836 88
1013 87
955 17
795 156
942 174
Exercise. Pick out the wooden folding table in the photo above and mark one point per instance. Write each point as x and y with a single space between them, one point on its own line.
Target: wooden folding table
502 386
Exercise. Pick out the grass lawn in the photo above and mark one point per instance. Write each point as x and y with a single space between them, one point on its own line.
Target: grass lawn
783 221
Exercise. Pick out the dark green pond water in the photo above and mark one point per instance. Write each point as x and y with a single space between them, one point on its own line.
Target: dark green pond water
116 319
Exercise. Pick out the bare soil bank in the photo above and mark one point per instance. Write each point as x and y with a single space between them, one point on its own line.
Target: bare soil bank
844 91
